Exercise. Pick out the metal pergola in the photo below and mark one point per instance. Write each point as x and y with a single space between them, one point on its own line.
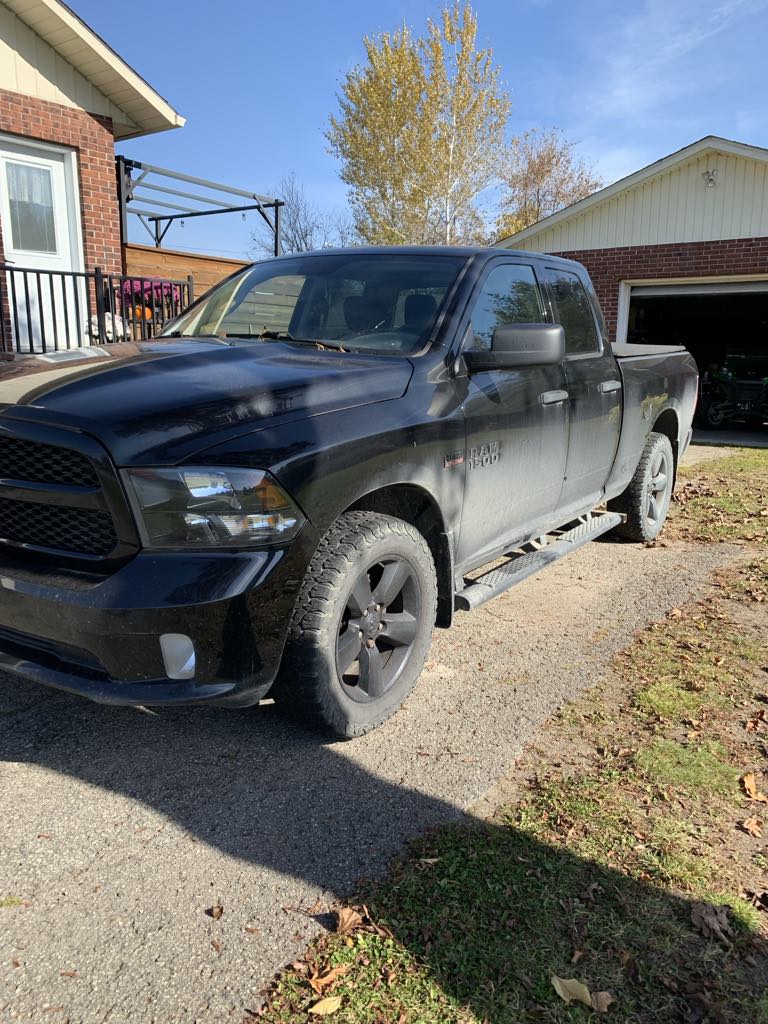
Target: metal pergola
144 185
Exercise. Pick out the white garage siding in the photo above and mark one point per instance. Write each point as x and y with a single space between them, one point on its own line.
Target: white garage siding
666 202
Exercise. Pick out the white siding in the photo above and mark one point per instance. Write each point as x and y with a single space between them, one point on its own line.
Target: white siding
672 206
31 66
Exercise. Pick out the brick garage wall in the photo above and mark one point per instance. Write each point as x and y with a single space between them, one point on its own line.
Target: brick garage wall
91 136
608 267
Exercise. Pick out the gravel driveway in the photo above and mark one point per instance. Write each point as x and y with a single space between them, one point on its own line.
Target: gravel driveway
118 828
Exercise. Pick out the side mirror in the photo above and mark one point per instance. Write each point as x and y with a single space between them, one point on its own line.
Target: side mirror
514 346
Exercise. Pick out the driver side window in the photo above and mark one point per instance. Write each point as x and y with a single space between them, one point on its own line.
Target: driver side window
510 295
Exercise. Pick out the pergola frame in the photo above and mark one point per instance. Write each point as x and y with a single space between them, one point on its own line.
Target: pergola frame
148 178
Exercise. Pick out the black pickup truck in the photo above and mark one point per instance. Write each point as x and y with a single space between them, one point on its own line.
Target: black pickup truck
322 459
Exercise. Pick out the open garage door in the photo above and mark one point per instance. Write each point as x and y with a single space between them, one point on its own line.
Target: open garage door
725 327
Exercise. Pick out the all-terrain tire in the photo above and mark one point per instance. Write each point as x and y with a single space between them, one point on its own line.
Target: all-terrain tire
644 503
310 686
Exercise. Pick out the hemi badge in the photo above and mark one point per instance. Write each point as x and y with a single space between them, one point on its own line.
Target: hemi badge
454 459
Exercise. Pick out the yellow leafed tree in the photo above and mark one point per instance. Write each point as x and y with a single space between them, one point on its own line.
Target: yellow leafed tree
420 132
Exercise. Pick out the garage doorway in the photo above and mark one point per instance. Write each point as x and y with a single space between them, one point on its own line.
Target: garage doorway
725 327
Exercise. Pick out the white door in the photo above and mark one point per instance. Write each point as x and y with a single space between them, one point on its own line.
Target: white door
41 232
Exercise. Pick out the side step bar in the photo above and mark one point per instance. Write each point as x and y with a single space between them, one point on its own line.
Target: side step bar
528 563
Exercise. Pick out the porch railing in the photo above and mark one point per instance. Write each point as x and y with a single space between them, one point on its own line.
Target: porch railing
44 311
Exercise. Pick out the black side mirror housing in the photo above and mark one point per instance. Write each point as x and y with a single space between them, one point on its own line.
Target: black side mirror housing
514 346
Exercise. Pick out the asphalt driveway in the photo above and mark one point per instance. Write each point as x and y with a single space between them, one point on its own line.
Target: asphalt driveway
119 828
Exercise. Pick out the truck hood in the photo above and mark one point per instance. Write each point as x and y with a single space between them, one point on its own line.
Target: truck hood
163 401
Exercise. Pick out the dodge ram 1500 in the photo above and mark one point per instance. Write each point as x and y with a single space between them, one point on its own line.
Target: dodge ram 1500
316 463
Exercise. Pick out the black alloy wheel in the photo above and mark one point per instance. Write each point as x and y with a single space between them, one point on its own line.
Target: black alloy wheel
378 627
362 625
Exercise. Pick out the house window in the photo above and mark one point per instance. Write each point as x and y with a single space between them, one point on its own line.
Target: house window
30 197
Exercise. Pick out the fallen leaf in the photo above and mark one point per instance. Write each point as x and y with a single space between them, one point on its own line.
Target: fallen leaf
577 955
215 911
347 919
676 613
749 782
753 724
570 989
252 929
320 981
67 974
326 1006
753 827
711 921
216 945
315 908
601 1001
15 961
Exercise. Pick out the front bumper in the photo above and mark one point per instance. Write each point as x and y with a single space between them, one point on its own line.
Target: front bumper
99 636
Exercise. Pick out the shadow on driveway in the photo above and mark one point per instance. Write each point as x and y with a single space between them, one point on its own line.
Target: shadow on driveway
253 787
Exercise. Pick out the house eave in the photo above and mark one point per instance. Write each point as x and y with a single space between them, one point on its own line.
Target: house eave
709 143
146 111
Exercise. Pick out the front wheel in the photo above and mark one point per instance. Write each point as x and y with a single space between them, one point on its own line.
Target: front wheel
361 627
646 500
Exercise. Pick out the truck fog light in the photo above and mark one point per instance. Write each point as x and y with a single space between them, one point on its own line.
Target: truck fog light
178 655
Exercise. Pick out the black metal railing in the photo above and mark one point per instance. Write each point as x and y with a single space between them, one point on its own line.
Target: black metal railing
45 311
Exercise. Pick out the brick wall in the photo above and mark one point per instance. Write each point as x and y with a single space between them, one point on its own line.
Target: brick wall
608 267
91 136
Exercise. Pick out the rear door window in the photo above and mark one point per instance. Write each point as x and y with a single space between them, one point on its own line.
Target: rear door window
509 295
574 311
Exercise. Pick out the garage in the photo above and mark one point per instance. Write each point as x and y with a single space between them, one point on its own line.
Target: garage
678 253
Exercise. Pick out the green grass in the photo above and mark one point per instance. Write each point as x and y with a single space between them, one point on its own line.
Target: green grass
698 768
629 819
722 500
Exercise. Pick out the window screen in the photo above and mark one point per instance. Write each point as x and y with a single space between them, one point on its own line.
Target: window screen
510 295
574 311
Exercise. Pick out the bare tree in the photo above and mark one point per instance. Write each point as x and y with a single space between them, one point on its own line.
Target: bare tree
303 226
540 175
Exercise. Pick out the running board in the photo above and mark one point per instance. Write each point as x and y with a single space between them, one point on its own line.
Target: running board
521 566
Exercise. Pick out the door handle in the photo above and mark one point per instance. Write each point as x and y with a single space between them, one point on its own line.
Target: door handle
553 397
607 386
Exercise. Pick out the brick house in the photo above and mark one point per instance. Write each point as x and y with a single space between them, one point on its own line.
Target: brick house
65 98
678 251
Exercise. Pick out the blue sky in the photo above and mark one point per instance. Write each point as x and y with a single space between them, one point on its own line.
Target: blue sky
256 81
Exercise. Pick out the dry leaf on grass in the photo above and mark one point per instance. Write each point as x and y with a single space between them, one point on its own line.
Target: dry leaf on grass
753 724
326 1006
601 1001
749 782
347 919
711 921
753 827
571 990
321 981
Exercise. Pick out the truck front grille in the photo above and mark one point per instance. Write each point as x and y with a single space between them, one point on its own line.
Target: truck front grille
83 531
60 499
44 463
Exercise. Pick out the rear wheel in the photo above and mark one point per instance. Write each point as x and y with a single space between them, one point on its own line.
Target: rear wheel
361 627
646 500
713 414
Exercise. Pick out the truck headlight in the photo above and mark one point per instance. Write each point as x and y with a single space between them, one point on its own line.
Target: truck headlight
196 507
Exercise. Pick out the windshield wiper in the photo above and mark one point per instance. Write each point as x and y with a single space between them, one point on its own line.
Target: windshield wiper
287 336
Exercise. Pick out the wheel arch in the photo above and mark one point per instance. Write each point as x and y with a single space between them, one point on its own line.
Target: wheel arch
668 423
415 505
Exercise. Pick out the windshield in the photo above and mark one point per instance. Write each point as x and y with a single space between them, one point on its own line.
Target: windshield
385 303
